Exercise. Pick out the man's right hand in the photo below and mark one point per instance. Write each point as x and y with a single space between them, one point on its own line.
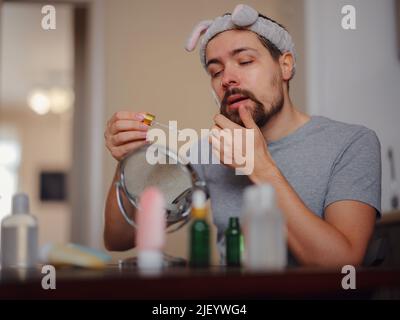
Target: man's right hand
124 133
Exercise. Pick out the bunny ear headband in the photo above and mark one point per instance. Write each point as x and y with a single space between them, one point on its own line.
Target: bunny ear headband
243 17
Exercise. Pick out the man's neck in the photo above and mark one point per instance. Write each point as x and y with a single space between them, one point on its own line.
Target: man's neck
288 120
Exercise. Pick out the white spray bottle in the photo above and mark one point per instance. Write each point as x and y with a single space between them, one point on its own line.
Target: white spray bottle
264 230
19 235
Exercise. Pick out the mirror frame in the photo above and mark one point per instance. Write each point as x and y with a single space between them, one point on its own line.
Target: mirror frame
134 200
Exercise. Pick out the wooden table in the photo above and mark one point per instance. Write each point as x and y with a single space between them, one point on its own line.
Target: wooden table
184 283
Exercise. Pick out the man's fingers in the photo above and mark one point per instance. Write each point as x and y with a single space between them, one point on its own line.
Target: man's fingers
215 148
127 136
216 127
127 125
222 137
125 132
127 115
215 141
247 118
121 151
224 122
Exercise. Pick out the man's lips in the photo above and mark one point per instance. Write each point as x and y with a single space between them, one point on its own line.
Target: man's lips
234 98
237 102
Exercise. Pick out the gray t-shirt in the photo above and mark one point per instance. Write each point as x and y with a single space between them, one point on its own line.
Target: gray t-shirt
324 161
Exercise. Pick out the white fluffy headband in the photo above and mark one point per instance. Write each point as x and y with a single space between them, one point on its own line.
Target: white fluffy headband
243 17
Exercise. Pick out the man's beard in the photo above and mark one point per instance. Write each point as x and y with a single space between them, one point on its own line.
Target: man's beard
260 115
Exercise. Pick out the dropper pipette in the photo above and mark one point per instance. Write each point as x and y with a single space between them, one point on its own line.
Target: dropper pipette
165 126
149 120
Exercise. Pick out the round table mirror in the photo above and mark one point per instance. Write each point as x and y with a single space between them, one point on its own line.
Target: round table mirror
156 165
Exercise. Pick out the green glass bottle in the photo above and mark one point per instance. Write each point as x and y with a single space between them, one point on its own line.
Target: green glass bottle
233 242
242 253
199 232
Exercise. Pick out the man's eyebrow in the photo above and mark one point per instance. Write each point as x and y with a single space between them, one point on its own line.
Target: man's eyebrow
239 50
213 61
232 54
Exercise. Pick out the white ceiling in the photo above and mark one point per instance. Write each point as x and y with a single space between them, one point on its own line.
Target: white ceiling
30 56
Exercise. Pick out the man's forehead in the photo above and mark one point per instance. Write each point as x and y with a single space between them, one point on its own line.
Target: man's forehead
244 37
230 40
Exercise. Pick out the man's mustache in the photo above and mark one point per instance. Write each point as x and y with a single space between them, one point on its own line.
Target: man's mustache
243 92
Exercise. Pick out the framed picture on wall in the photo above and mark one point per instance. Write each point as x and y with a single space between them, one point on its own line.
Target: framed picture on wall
53 186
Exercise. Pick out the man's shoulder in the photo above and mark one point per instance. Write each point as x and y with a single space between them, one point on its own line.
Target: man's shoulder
343 131
348 141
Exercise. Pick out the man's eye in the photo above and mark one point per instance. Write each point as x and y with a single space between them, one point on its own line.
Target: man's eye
216 74
245 62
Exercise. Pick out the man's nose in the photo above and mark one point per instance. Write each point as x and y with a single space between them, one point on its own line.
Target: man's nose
229 80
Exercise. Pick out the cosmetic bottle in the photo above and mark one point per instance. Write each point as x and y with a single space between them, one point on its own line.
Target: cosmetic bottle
150 233
19 235
199 232
264 230
232 241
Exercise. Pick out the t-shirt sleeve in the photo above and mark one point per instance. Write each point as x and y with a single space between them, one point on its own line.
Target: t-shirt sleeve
356 173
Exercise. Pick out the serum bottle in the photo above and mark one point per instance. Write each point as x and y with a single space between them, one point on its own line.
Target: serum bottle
233 242
199 232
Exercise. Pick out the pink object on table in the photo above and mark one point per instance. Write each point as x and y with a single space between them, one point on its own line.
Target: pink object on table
151 225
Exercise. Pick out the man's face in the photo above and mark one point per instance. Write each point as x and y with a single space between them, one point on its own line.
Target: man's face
243 72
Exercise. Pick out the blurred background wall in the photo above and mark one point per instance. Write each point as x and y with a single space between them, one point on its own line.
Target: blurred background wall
130 56
32 59
354 75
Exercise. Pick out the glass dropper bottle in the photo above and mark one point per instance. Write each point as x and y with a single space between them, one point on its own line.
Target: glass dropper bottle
148 118
233 238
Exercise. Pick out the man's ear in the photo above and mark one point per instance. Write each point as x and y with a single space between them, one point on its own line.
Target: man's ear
286 62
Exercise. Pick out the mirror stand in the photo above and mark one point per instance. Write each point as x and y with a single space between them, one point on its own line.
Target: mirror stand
169 261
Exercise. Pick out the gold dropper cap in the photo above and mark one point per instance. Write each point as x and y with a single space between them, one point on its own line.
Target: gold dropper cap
148 119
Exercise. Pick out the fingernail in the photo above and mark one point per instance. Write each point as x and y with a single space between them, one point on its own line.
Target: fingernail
143 134
139 116
143 126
